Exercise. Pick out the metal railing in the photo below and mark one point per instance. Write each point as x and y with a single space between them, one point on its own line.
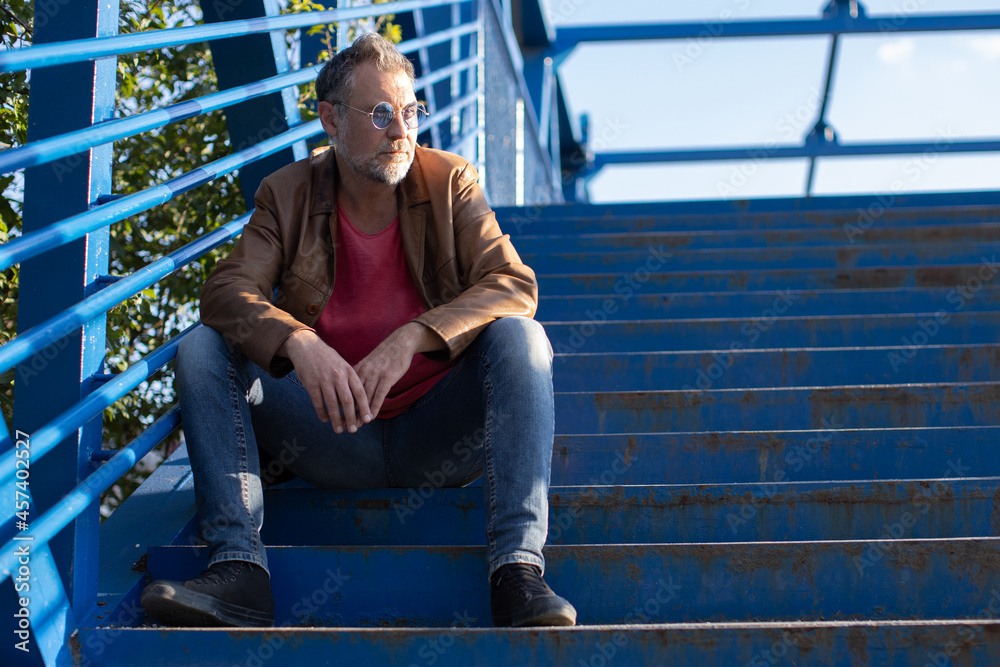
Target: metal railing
62 315
840 17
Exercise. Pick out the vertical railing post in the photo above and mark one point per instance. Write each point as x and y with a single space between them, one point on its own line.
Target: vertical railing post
64 574
242 60
439 95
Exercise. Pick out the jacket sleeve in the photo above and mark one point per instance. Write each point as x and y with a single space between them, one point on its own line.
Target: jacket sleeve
496 283
238 297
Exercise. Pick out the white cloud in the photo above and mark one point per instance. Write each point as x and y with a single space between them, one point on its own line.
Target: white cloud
897 51
987 47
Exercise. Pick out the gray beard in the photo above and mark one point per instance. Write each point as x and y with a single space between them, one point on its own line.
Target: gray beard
370 168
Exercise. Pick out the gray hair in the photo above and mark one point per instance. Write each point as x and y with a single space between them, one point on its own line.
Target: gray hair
335 82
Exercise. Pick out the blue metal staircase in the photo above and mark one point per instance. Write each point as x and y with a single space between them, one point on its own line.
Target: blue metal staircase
776 419
731 485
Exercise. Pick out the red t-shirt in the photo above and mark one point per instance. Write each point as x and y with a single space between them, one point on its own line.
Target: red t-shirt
373 295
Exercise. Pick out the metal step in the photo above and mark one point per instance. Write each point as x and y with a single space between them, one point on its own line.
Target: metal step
879 210
834 452
544 243
767 305
790 331
734 581
660 258
775 511
797 367
770 408
839 644
719 280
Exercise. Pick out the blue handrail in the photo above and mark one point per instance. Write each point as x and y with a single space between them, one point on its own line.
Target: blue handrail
568 37
76 226
63 145
31 245
43 440
46 55
62 513
53 329
825 149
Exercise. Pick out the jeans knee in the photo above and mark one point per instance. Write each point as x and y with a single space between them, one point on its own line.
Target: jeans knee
523 338
200 350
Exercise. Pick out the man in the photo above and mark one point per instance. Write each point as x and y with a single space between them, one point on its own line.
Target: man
373 314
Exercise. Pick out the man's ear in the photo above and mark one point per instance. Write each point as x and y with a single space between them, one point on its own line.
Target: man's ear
329 117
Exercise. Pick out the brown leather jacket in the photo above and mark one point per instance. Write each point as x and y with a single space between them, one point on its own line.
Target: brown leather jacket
464 267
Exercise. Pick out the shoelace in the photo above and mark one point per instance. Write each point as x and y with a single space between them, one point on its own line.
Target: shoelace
218 574
526 576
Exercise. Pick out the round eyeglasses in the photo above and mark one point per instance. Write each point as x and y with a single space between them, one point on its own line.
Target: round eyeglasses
383 114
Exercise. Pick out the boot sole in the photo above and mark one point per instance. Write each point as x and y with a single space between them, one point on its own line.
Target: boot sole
172 604
552 612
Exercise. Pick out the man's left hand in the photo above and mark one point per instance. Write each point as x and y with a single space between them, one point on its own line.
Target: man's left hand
388 362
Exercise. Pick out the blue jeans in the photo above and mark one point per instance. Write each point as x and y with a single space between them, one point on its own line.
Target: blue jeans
492 412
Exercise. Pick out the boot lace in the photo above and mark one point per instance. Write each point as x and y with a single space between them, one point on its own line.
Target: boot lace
525 577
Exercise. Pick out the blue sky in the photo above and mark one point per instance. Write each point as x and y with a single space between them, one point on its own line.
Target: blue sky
741 92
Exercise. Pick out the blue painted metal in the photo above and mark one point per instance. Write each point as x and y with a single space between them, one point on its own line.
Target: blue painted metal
647 514
808 150
62 570
46 150
568 37
839 17
72 51
720 333
846 256
776 408
900 644
56 327
156 513
764 307
76 226
76 501
821 132
738 238
784 439
838 451
795 367
49 436
721 582
864 211
767 279
243 60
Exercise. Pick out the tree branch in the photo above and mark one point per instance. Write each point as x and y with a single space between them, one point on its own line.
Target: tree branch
6 9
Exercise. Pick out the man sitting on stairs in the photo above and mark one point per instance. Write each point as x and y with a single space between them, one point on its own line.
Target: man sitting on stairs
371 322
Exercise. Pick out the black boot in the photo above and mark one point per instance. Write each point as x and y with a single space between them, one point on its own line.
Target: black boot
232 592
520 597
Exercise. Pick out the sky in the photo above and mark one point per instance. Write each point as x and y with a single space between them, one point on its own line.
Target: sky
675 94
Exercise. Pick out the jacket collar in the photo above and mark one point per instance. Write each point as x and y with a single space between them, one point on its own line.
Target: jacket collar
410 192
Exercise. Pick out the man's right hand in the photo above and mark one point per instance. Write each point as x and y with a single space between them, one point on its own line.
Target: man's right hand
333 385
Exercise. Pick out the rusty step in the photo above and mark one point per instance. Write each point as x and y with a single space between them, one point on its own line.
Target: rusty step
834 452
544 243
777 511
845 256
769 332
732 581
865 211
770 304
719 280
770 408
832 643
795 367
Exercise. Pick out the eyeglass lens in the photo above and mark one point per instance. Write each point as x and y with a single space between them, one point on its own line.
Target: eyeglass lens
383 114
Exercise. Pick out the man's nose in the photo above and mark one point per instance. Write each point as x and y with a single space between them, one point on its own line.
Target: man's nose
397 128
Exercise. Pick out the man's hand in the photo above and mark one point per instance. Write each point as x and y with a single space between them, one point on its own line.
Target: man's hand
388 362
333 385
